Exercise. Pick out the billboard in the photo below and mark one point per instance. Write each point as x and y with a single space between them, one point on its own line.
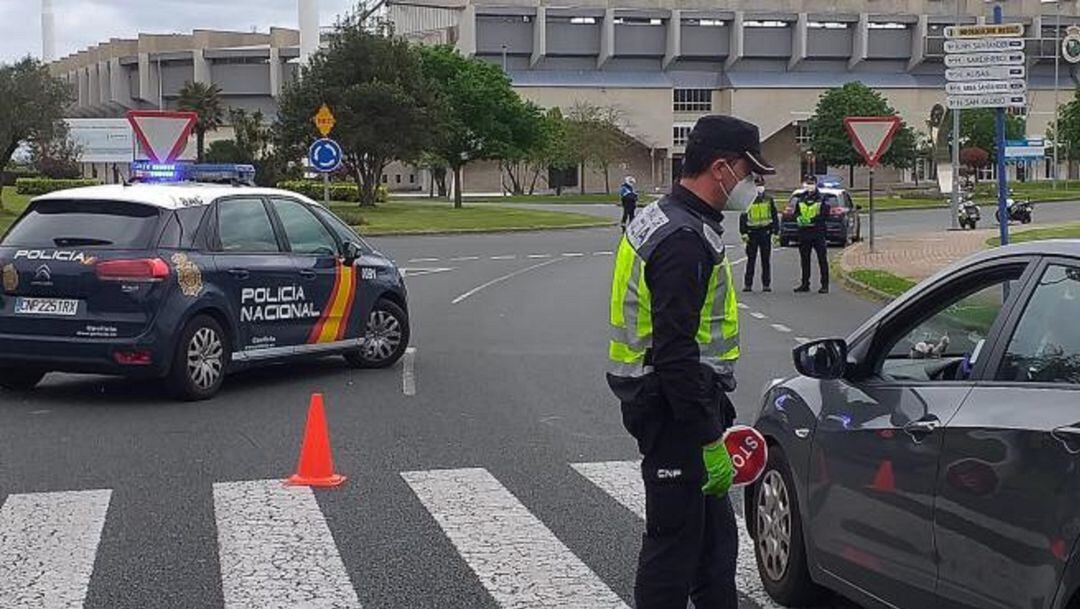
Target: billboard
103 140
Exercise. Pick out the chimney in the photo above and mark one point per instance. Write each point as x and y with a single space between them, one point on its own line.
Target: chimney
48 32
309 29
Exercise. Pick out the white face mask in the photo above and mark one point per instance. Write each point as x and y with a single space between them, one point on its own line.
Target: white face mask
760 190
740 197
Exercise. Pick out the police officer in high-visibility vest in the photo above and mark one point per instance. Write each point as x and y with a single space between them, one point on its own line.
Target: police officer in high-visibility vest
674 344
757 225
811 210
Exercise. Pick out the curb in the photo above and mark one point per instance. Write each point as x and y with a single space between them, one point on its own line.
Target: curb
855 286
474 231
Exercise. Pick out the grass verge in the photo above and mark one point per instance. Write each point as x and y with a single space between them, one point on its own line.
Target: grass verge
1064 231
397 218
881 281
13 205
567 198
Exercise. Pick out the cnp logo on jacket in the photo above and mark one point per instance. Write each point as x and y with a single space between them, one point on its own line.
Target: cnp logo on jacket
748 451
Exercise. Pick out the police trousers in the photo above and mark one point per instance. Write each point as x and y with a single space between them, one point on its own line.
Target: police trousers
820 247
758 241
690 545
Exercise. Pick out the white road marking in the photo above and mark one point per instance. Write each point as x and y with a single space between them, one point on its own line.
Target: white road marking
622 481
48 542
501 279
421 271
603 253
738 262
423 260
781 328
408 376
743 305
539 256
464 258
757 315
573 255
275 549
517 559
511 257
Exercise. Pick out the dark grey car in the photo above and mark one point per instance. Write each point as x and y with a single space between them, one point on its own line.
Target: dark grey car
932 459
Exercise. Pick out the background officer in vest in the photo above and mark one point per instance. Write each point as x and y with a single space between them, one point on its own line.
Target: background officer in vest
675 341
628 197
810 213
758 224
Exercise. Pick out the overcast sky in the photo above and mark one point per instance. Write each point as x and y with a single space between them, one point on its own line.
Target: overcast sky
81 23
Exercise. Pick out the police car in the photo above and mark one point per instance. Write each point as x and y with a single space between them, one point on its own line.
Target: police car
188 282
842 226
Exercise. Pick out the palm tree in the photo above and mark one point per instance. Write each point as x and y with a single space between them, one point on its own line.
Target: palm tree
205 101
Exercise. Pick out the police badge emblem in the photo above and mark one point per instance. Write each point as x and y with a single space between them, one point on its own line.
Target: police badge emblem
188 275
11 278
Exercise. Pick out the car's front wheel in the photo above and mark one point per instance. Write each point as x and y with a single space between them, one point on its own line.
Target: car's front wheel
198 367
778 538
385 338
20 379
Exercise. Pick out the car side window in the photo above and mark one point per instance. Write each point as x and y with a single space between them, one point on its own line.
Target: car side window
945 342
305 233
245 227
342 230
1045 348
848 202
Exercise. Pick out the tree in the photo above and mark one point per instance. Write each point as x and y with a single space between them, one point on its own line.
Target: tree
829 139
1068 123
597 135
227 151
978 129
205 101
523 153
384 106
251 133
32 105
479 109
974 159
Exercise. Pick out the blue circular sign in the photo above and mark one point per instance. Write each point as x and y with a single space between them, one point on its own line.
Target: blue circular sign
324 155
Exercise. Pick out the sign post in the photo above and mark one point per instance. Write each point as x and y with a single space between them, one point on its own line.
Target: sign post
986 69
871 136
325 154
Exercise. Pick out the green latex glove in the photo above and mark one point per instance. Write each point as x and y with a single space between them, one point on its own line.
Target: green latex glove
718 466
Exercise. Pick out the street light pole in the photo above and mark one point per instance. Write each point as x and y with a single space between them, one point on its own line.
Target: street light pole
954 199
1057 105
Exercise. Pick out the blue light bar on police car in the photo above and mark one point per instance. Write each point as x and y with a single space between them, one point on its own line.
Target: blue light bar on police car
148 171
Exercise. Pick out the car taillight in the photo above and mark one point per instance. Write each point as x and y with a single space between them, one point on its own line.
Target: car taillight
133 358
139 270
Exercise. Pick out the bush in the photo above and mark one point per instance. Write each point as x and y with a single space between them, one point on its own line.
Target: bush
43 186
339 191
8 176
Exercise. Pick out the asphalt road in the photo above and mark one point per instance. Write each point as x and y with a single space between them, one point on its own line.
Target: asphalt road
492 472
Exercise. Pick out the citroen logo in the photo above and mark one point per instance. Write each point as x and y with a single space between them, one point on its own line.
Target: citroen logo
43 273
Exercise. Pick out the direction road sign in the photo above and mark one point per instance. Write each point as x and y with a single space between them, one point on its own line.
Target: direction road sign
871 135
162 135
324 155
1004 30
986 73
980 87
975 60
989 100
983 45
324 120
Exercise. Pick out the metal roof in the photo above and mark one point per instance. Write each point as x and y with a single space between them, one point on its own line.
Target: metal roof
166 196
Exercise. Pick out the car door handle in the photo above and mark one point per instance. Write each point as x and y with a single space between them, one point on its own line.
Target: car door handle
306 274
240 273
921 428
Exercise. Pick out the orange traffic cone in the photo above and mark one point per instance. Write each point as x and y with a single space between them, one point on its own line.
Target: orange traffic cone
316 466
884 480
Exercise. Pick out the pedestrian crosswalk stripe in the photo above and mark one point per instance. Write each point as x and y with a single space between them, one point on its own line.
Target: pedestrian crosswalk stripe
516 557
48 542
622 481
276 550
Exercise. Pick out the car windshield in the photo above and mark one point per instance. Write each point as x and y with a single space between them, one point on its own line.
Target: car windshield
80 223
830 200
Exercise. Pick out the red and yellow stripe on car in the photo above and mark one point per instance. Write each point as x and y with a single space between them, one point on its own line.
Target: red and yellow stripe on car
334 322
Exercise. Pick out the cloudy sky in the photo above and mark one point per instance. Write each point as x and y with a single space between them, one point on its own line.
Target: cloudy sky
80 23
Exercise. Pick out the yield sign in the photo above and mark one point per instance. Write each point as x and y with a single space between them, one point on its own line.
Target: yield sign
871 135
163 135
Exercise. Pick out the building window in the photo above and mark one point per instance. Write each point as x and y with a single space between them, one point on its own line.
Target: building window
384 178
802 134
412 178
693 100
1020 112
887 26
827 25
765 24
583 20
637 21
397 178
704 22
681 133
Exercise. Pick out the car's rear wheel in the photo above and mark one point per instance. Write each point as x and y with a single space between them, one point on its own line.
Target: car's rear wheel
385 338
778 538
198 367
20 379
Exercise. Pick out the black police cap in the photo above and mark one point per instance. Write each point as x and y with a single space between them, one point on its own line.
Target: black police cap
733 135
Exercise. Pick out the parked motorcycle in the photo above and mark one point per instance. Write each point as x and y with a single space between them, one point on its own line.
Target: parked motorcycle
1018 210
967 213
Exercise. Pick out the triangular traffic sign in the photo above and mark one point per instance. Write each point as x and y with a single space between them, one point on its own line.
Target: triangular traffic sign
162 134
872 135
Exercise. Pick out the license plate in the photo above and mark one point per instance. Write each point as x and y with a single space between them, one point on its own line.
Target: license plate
46 306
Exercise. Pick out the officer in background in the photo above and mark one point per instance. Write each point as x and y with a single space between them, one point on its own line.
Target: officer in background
758 224
628 197
811 210
674 344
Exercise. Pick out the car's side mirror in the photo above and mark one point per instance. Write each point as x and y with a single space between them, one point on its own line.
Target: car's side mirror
822 359
352 251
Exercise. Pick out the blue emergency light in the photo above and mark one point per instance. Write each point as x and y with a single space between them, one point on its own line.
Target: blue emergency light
227 173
